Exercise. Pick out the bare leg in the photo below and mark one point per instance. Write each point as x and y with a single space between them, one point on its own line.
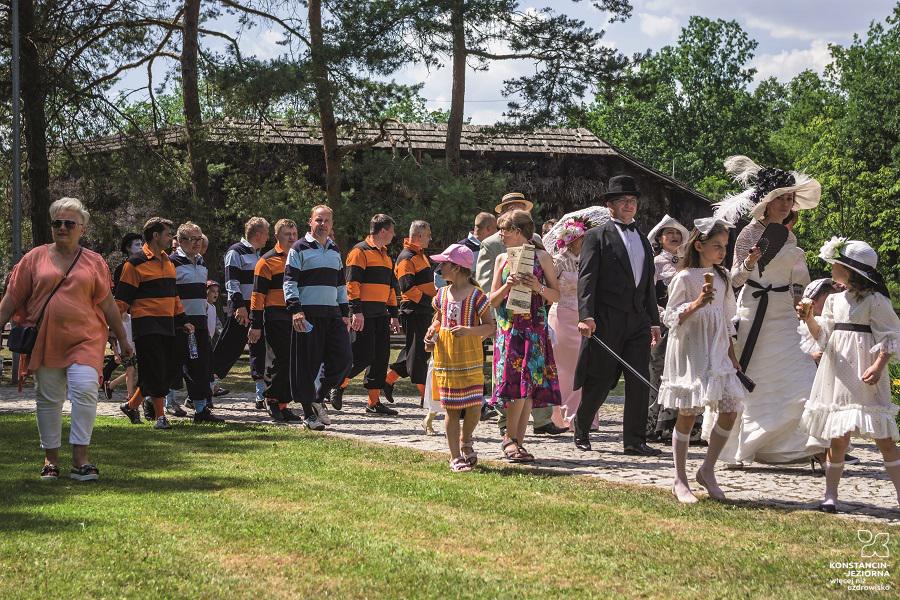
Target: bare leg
515 412
706 475
891 454
114 383
470 422
130 381
79 455
452 429
51 456
522 423
681 439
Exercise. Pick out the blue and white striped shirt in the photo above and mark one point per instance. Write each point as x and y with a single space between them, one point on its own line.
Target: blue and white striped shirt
314 279
240 261
190 280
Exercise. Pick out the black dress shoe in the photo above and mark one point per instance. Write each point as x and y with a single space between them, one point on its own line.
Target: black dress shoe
583 444
642 449
550 429
336 396
831 509
388 392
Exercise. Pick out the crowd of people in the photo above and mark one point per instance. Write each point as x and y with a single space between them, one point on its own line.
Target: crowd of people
726 357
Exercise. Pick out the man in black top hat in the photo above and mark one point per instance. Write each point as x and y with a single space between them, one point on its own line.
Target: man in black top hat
617 302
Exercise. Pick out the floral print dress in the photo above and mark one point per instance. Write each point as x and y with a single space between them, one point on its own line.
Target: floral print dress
523 356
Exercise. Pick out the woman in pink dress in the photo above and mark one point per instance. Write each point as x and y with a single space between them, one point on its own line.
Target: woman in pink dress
563 317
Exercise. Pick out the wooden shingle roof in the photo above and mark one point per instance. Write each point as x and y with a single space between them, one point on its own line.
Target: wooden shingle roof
476 139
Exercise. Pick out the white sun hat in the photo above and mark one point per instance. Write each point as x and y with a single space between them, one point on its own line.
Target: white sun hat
668 222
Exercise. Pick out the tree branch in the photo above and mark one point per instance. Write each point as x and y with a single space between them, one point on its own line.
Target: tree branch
265 15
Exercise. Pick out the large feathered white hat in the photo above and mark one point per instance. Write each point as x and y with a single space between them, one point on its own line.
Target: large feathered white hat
668 222
764 184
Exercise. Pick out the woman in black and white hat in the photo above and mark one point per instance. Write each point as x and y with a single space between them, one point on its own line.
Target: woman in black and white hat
768 344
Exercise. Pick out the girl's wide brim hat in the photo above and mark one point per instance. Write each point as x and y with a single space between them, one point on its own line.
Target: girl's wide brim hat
762 185
668 223
857 256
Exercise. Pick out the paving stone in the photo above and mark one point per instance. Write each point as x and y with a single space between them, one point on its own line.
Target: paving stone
866 492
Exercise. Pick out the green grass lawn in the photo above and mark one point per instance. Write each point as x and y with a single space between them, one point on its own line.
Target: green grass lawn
259 512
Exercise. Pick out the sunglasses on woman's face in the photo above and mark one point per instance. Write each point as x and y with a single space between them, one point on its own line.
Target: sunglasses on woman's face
58 223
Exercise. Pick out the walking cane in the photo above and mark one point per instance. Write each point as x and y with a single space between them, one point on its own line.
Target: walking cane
624 363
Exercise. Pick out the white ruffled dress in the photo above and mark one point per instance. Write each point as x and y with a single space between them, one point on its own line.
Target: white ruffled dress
840 402
698 373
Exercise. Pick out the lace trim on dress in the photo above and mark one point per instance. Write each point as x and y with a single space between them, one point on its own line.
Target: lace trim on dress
837 420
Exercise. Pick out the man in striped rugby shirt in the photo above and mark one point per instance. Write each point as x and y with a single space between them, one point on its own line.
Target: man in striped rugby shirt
190 280
416 280
147 289
269 313
240 262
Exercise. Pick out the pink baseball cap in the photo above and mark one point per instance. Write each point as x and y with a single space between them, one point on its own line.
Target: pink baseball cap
457 254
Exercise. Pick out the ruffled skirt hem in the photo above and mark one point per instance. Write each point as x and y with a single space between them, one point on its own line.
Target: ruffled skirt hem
709 393
868 422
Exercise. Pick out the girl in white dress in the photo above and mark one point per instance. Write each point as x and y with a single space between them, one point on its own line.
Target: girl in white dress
858 333
700 365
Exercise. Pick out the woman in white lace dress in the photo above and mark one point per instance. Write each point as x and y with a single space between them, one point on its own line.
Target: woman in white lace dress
768 345
700 365
858 332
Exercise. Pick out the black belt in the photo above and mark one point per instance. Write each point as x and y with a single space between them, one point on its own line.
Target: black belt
763 294
852 327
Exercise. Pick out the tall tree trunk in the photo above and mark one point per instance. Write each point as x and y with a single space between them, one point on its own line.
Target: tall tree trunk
193 117
325 102
458 94
34 95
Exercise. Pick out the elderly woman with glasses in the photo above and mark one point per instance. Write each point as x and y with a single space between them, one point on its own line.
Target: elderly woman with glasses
72 322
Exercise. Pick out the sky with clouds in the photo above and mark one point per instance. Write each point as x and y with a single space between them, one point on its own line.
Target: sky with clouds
793 35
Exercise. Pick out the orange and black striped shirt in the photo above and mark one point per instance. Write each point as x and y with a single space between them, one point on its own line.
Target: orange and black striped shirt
371 285
416 280
147 289
267 301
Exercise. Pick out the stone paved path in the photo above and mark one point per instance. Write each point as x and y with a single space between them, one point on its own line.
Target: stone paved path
866 493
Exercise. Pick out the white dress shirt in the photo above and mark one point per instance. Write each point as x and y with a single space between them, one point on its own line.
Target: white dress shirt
635 247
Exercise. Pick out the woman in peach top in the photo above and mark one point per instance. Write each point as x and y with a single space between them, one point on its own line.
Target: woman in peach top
68 355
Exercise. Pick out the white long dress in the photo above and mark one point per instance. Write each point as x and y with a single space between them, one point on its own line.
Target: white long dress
840 402
769 430
698 372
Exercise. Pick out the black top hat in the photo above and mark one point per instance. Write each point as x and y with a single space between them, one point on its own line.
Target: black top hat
620 185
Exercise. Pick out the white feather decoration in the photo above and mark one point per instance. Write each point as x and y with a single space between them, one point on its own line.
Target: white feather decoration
742 168
732 208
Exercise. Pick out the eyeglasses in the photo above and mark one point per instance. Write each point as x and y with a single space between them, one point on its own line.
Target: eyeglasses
58 223
192 240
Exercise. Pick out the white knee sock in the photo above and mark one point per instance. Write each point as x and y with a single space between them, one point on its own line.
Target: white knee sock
680 443
833 472
717 440
893 470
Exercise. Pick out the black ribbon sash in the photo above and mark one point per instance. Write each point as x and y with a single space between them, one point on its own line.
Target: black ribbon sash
852 327
763 294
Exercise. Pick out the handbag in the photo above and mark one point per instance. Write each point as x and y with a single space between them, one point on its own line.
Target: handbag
23 337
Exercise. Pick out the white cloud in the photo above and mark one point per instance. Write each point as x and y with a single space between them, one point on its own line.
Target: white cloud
785 65
265 45
785 31
658 26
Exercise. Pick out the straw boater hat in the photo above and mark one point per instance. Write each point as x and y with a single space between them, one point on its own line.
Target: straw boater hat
511 197
767 184
668 223
857 256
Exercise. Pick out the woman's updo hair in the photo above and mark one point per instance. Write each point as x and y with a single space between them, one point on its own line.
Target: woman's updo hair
69 204
520 219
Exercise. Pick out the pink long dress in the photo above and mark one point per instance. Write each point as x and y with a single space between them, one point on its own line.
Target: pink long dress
563 319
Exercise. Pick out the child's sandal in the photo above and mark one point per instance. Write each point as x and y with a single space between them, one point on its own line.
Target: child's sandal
471 457
459 465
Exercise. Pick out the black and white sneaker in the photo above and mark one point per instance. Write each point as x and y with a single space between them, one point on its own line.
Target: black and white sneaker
290 416
176 411
205 416
314 423
86 472
336 397
131 413
321 413
162 423
381 409
276 413
388 391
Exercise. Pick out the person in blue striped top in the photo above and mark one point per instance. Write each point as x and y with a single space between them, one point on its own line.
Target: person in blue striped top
240 261
190 279
315 292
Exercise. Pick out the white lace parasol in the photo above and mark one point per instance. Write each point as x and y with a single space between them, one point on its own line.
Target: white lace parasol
594 215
